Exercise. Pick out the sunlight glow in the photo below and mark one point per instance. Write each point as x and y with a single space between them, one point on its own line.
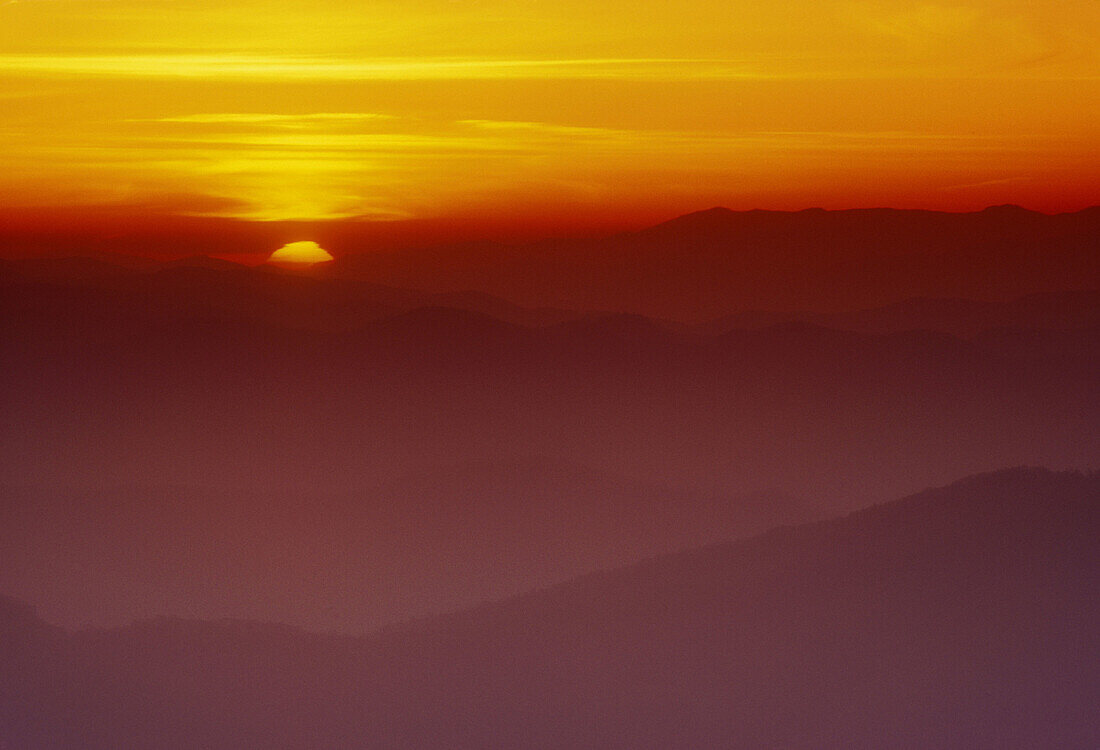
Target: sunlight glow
303 253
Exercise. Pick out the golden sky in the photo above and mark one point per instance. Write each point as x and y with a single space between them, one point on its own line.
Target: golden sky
328 109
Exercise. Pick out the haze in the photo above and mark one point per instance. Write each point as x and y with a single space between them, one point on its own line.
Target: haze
549 375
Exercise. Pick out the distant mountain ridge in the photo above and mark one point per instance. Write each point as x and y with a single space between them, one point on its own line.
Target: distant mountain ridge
327 381
959 317
202 286
717 262
962 617
720 262
209 287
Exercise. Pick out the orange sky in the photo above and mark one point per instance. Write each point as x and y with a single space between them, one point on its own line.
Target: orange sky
559 109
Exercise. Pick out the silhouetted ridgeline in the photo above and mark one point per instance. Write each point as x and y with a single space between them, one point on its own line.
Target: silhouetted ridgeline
963 617
705 265
717 262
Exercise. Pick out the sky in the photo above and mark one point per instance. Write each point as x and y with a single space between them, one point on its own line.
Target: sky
554 112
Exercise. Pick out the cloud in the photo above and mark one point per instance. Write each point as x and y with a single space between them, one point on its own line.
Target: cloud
986 183
264 67
279 165
284 120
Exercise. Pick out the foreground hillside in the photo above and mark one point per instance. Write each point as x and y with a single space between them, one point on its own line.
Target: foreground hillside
963 617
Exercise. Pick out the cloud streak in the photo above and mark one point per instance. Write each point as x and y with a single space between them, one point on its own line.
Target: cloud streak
259 67
260 118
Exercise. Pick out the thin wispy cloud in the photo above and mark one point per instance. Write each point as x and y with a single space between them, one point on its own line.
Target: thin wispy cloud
986 183
319 68
259 118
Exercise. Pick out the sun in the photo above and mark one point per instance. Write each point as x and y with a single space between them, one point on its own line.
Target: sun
303 253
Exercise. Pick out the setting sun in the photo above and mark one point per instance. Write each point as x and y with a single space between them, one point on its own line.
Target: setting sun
304 253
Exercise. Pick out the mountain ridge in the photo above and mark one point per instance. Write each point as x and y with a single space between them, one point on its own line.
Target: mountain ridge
318 303
1014 485
899 625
